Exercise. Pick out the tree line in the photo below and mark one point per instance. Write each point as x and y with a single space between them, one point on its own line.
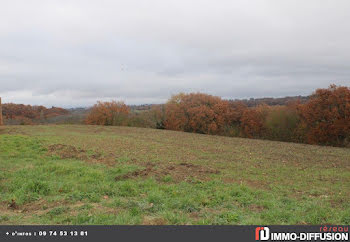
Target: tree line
323 118
253 102
27 114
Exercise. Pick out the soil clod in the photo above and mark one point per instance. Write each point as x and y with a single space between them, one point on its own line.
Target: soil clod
13 205
178 172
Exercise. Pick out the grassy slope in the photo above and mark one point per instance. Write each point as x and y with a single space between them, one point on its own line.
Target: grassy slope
255 182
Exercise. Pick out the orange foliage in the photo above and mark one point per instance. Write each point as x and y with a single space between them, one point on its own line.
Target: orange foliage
253 121
197 112
28 113
325 118
108 113
235 112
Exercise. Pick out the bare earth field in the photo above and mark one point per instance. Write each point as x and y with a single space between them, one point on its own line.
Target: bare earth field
75 174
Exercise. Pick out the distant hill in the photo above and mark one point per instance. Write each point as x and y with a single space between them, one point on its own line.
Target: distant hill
142 107
252 102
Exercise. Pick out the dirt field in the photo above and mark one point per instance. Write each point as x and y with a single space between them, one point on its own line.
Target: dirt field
71 174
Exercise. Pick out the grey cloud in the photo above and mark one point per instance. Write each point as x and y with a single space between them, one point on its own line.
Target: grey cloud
73 53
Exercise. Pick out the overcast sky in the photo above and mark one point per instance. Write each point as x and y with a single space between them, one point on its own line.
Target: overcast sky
74 52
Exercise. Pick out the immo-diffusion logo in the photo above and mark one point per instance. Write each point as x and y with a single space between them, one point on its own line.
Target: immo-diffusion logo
263 233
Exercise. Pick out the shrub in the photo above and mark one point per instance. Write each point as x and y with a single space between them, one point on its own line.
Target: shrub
253 121
197 112
108 113
281 123
325 118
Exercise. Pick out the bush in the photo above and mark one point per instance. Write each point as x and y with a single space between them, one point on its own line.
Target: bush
325 118
197 112
281 124
253 121
108 113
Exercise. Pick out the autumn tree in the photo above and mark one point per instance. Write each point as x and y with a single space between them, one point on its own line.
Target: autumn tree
108 113
325 118
27 114
197 112
233 118
175 114
253 121
52 112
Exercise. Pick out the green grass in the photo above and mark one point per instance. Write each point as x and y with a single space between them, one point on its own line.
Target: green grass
256 182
